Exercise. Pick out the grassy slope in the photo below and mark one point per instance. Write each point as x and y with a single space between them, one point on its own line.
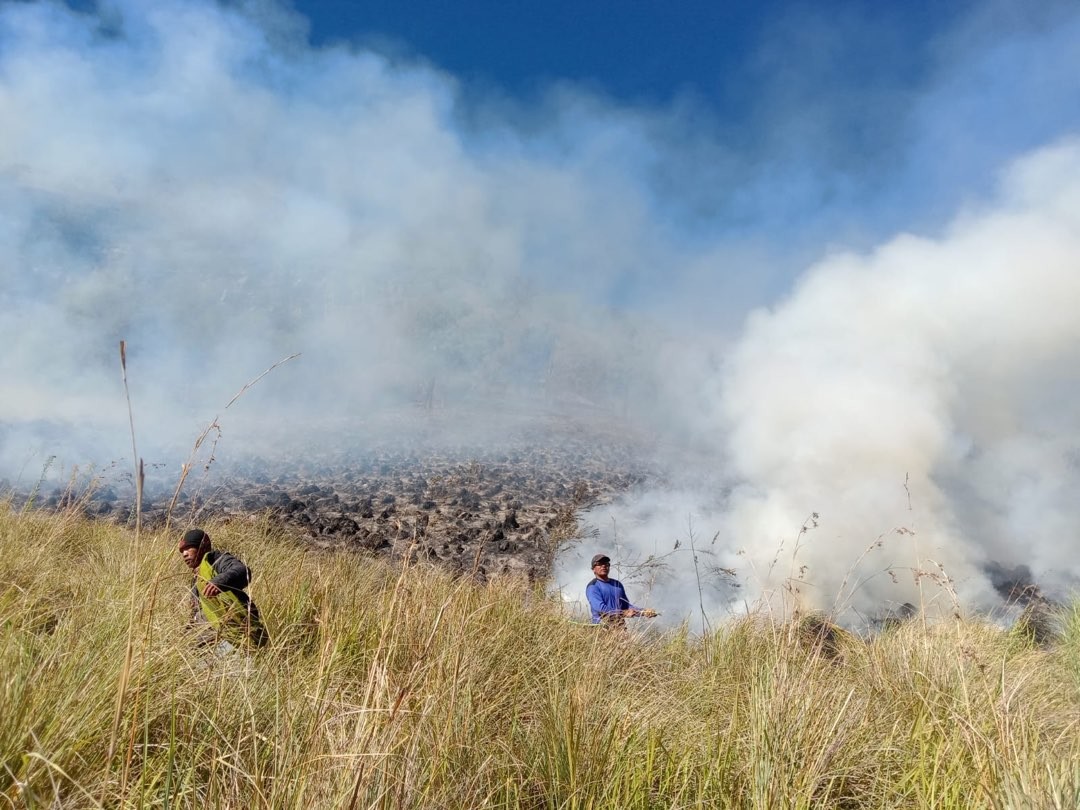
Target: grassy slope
385 689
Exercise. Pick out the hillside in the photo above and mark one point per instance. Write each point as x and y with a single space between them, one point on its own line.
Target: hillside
402 686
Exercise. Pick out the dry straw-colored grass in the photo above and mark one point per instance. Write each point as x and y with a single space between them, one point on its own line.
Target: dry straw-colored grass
387 687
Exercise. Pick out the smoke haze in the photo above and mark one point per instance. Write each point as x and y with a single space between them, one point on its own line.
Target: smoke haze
857 304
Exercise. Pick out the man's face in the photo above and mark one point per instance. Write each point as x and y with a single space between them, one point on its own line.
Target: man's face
191 556
601 570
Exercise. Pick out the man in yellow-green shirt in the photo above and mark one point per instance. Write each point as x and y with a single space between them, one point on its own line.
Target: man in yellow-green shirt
218 599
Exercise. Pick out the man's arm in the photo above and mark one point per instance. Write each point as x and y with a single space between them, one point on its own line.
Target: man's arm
596 601
634 610
625 607
230 574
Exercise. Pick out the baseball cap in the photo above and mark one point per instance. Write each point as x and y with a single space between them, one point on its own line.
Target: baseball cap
600 558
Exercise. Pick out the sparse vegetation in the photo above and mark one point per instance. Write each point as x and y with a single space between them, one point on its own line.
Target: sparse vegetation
390 687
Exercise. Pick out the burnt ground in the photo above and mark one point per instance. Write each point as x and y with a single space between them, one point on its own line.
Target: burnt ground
477 512
499 509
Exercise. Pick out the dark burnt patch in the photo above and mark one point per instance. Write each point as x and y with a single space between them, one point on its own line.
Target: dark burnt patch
1015 584
482 514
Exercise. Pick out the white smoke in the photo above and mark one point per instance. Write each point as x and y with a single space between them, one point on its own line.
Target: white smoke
918 401
220 195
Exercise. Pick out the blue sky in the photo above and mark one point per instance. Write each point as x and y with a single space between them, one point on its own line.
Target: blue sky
637 52
634 51
859 109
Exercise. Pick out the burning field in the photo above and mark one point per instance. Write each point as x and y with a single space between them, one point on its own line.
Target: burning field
479 511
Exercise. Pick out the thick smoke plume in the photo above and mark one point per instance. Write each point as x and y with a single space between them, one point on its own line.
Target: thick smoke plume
220 196
901 421
196 179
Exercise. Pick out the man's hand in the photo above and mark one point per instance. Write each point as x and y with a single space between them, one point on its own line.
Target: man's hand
211 590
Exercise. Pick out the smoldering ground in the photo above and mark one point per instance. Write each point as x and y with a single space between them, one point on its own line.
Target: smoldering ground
858 307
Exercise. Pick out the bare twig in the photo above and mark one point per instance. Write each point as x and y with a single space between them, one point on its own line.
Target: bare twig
214 426
240 393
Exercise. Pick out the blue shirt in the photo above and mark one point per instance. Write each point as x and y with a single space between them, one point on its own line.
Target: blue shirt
606 598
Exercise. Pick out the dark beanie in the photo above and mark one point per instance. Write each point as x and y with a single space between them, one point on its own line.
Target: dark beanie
194 538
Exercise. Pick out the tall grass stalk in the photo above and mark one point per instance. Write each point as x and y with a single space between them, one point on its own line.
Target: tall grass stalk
125 670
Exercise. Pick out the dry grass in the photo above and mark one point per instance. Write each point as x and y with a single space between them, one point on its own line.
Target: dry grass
405 688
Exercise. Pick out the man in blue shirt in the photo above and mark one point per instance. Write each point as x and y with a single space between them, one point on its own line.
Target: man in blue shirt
607 597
